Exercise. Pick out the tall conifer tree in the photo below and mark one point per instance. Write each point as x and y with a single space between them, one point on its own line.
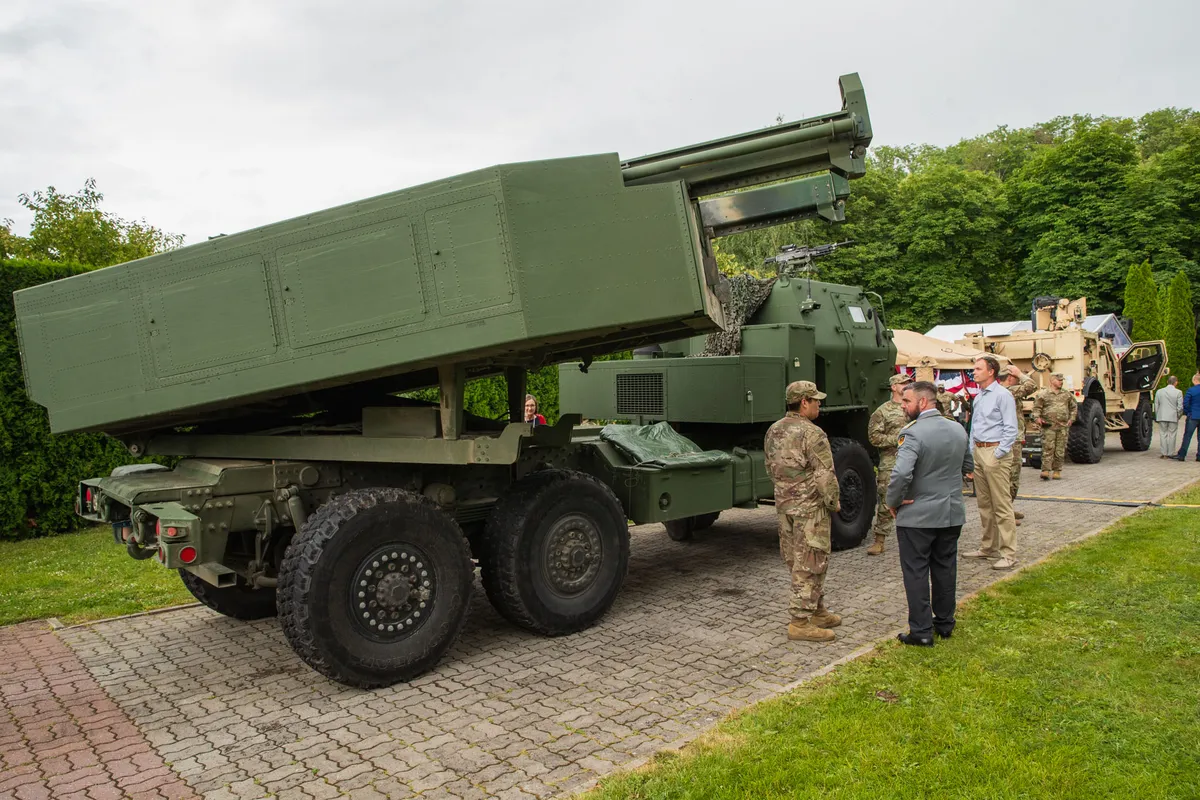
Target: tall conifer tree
1141 303
1180 329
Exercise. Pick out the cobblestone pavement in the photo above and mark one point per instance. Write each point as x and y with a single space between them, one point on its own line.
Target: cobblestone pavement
698 631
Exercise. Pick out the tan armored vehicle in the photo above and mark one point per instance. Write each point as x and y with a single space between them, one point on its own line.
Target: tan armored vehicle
1113 391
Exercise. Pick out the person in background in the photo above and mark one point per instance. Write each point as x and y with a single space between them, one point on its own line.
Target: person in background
882 430
924 496
1055 410
1021 385
531 411
1191 410
1168 408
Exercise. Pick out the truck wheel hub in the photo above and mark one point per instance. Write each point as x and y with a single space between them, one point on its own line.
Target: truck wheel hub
392 591
572 554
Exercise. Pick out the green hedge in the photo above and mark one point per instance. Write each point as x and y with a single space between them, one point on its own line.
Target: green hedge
39 472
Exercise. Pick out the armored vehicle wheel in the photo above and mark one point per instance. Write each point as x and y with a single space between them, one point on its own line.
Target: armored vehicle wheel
1085 439
856 480
374 588
240 601
1140 432
680 530
556 550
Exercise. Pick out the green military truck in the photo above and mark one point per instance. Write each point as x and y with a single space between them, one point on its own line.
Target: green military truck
277 365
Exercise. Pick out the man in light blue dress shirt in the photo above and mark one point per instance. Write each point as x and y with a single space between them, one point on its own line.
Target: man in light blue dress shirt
993 435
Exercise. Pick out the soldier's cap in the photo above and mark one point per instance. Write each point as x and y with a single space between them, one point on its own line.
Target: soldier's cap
1005 371
799 390
1057 376
900 378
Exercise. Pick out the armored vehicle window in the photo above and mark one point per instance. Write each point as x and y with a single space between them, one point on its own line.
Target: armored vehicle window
857 315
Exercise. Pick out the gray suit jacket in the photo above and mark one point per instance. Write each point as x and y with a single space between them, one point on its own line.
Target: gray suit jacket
1168 404
930 465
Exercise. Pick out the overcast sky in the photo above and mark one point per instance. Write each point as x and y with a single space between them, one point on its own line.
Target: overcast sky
213 117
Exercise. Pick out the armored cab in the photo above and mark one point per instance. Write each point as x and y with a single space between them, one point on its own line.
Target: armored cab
279 363
725 397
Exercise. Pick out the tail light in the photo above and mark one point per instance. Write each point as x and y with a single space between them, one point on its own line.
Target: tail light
187 555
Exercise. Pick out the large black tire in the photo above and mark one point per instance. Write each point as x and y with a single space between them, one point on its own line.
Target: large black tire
240 601
1085 439
341 592
856 481
1138 435
681 530
555 552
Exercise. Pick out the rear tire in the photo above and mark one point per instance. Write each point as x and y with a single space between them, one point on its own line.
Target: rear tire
240 601
375 586
556 551
1140 433
681 530
856 484
1085 439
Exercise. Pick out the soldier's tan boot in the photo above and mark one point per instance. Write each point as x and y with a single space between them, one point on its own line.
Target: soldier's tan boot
876 548
824 618
1045 475
1057 475
803 630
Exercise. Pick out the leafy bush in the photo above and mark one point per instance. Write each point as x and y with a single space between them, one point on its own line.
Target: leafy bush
39 472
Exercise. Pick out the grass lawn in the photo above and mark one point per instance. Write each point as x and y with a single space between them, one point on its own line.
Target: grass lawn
1078 679
80 576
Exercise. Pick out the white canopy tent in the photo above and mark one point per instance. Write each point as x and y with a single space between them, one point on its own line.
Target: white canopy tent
1104 324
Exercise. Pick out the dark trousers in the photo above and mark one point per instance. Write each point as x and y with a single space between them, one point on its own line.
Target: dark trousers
929 556
1188 431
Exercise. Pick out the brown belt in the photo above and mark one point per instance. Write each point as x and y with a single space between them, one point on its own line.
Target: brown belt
987 444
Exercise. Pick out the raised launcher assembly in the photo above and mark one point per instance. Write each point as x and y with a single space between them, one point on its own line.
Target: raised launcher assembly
273 362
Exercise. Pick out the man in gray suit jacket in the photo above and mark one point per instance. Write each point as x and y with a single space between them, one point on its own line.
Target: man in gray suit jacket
925 496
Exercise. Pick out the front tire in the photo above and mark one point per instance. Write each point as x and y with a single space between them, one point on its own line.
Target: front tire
240 601
375 586
556 551
856 483
1085 439
1140 433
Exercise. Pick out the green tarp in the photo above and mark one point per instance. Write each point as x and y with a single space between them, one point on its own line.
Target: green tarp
659 445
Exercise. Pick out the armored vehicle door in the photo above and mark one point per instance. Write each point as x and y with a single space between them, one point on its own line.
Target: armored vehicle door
1143 366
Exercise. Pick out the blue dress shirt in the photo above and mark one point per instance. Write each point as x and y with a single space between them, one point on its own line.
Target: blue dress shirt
994 418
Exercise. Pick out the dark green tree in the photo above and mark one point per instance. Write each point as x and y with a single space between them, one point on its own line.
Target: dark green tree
1141 303
1180 332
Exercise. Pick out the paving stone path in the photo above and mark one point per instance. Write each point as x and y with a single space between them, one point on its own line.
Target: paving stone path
189 703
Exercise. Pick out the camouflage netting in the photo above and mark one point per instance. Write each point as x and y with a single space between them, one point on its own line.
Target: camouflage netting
747 294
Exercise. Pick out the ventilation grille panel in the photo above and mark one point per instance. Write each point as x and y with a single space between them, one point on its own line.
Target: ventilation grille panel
641 394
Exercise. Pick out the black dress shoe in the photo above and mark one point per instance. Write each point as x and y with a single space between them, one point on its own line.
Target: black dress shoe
943 635
919 641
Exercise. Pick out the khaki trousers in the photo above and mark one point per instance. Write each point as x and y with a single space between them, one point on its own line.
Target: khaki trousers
993 489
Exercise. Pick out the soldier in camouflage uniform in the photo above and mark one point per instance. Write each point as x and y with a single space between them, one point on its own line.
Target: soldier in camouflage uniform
806 493
882 431
1021 386
1055 410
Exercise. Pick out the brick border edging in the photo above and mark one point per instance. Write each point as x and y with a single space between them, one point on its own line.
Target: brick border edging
865 650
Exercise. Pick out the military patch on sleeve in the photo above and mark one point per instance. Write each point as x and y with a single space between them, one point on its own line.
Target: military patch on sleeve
900 439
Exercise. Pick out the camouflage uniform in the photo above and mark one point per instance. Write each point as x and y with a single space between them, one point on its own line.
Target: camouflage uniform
806 492
1025 388
944 404
882 431
1059 409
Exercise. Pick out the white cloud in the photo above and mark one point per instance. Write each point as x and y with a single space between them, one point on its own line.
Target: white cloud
210 117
